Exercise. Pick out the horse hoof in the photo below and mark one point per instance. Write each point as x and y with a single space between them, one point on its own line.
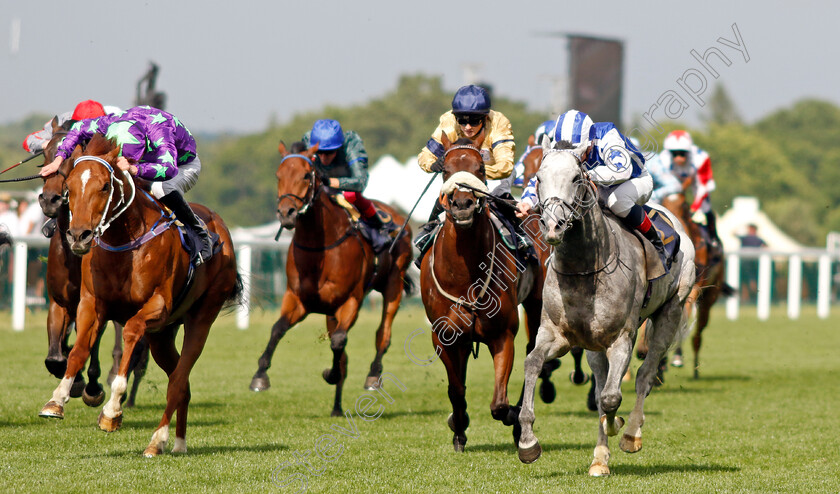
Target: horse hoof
77 388
372 383
451 422
95 400
677 361
330 378
152 451
260 383
598 469
336 413
547 391
110 424
458 442
530 454
52 410
630 444
696 374
579 379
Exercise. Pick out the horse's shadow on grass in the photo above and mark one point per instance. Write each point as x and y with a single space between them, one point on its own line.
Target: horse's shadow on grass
159 406
506 447
722 378
651 470
199 451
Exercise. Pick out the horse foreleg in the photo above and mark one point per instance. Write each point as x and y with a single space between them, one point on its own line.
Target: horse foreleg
94 395
139 364
161 345
58 321
116 353
292 312
345 316
392 295
577 376
704 306
601 457
455 357
549 345
152 314
618 355
87 324
502 350
533 312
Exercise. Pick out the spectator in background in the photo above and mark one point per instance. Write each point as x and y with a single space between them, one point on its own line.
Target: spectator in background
749 267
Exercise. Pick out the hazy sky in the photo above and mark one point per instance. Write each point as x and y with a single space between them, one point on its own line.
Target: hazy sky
232 65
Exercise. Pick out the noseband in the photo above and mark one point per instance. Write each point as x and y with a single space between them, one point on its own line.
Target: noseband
481 199
581 204
310 191
103 225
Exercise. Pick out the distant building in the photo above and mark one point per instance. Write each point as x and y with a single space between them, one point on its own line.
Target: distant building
746 211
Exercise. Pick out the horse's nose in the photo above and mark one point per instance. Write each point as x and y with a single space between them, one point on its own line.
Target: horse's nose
464 203
79 240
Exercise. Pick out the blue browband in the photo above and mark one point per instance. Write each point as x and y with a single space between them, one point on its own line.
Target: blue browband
305 158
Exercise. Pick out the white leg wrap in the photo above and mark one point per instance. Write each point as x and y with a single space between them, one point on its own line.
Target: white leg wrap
180 445
113 409
61 395
161 437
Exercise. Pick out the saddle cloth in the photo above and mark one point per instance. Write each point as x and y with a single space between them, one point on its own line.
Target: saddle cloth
379 240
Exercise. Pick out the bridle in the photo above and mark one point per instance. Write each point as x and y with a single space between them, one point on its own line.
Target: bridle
583 201
311 190
103 224
480 199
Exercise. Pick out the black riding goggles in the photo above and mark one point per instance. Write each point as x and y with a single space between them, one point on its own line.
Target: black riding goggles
468 119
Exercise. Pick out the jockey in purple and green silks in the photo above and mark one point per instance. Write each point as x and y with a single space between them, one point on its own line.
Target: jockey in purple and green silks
155 146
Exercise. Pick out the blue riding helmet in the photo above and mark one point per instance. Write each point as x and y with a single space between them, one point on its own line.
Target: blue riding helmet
471 99
327 134
546 127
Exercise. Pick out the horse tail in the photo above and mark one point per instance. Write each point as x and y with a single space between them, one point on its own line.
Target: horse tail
237 295
727 290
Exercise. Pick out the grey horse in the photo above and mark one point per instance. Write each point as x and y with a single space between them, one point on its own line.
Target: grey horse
597 292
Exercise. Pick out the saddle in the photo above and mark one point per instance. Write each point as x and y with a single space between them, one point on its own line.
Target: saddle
656 265
379 239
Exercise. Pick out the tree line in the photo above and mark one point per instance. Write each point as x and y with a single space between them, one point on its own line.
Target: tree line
788 159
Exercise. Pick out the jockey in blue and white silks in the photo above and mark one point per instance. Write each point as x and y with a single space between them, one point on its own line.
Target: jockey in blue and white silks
614 164
546 127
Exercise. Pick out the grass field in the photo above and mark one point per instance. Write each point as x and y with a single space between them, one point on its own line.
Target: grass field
755 421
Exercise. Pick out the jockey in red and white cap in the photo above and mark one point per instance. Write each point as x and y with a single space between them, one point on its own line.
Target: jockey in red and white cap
691 165
37 141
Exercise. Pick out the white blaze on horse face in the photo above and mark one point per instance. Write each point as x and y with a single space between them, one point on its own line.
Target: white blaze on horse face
85 178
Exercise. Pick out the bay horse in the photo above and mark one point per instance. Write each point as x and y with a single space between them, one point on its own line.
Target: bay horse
63 281
471 287
710 282
597 290
330 269
138 275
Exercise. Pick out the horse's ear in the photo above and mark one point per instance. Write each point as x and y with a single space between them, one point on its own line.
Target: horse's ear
444 140
67 165
531 140
281 148
545 142
113 154
310 153
581 148
54 124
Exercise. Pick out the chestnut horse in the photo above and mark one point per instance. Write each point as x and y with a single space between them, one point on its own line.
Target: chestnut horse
471 287
710 274
141 277
330 269
64 272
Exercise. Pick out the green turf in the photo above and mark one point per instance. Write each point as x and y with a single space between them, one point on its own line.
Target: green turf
754 422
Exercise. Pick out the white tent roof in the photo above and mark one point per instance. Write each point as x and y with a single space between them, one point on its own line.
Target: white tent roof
746 211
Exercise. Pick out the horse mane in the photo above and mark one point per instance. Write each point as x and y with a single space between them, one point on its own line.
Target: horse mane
464 141
562 145
100 145
297 147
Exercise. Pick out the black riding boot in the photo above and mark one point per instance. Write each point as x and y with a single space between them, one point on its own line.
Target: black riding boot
711 224
374 221
654 238
423 240
175 201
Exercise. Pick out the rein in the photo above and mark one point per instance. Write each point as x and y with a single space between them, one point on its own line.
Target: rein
39 153
103 225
